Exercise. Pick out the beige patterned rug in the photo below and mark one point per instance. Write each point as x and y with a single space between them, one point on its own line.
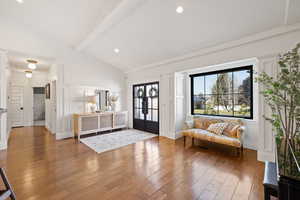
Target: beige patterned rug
114 140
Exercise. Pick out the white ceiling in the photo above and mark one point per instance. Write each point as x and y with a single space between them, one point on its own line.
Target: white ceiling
66 20
146 31
155 32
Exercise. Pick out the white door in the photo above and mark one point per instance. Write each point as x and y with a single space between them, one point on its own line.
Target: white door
53 105
16 106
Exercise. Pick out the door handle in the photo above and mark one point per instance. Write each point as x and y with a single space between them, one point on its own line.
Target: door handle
21 108
145 105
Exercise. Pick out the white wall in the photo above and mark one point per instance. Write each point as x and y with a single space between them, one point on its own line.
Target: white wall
263 47
4 78
78 76
50 110
39 79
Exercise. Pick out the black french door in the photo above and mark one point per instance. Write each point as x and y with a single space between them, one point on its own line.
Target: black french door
146 107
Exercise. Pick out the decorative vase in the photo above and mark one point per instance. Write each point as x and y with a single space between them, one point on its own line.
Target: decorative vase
93 108
113 106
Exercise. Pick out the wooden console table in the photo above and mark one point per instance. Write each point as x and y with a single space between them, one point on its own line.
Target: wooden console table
86 123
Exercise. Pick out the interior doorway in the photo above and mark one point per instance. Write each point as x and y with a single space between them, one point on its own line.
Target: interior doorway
146 107
39 106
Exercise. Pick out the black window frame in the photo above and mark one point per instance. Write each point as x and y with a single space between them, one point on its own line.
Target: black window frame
248 67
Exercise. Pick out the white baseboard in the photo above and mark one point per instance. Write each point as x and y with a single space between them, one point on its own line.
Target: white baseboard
178 135
28 123
63 135
3 145
250 146
167 135
265 156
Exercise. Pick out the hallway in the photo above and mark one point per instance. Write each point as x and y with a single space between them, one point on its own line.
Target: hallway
39 168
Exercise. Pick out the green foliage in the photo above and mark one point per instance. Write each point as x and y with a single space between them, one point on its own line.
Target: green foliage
282 94
222 86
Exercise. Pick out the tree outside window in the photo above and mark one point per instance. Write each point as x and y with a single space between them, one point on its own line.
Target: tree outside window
223 93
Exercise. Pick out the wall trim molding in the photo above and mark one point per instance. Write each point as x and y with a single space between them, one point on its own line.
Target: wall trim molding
227 45
265 156
63 135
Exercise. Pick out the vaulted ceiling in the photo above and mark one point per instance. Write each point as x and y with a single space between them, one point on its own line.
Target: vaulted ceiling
66 20
148 31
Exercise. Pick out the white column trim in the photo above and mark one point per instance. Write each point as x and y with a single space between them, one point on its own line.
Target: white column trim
266 147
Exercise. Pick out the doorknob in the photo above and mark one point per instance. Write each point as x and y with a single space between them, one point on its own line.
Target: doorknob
21 108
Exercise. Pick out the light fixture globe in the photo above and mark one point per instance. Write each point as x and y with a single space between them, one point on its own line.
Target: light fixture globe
179 9
28 74
32 64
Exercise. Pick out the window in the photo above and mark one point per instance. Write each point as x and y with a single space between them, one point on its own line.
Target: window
223 93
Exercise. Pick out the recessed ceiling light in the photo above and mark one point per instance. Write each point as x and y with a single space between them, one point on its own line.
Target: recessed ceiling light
20 1
116 50
179 9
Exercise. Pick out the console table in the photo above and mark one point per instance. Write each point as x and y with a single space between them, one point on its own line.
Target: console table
86 123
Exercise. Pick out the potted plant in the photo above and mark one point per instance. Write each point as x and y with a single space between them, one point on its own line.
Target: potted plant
282 95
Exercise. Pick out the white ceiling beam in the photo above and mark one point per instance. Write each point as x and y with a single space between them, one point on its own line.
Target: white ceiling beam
123 10
286 12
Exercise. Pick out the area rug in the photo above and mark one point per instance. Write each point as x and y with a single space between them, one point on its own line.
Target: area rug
114 140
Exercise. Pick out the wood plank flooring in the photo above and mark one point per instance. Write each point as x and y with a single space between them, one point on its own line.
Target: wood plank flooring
41 168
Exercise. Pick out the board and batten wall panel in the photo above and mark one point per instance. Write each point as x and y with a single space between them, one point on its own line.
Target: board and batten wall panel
266 143
180 101
78 76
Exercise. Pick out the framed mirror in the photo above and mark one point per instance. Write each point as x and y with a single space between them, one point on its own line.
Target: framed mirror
102 99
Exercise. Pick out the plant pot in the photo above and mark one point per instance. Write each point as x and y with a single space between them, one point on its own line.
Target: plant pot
288 157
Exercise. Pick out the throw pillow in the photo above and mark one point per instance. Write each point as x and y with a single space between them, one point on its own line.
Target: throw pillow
232 132
198 123
217 128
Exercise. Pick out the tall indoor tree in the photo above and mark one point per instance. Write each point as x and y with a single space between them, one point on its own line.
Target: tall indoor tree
282 94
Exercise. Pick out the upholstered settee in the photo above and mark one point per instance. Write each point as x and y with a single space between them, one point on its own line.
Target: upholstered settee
232 135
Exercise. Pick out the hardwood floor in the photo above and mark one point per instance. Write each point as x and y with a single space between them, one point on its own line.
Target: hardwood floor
39 167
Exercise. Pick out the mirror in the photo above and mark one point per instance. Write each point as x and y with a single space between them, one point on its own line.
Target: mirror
102 99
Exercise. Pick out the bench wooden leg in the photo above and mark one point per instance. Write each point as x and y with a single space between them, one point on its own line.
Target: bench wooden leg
238 150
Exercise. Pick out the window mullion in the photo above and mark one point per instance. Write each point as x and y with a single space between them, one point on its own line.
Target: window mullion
204 93
232 90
